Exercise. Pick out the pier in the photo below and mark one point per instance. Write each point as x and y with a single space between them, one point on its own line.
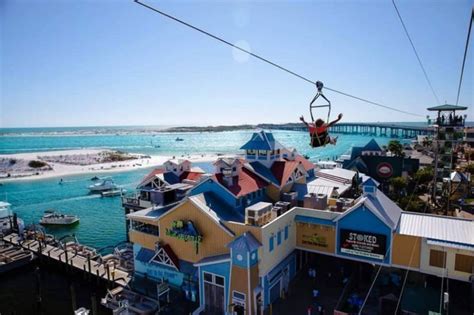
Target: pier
98 268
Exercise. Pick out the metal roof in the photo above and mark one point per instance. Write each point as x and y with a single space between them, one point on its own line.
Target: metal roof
436 227
262 141
447 107
245 242
450 244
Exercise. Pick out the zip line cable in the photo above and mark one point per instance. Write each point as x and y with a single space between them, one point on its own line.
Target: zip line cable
380 266
268 61
465 54
416 52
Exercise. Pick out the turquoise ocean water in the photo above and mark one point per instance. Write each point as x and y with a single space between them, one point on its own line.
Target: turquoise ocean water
102 219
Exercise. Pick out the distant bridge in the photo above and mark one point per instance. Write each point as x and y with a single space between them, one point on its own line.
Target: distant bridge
372 129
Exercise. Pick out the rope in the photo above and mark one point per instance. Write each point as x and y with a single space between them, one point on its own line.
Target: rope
416 53
465 54
268 61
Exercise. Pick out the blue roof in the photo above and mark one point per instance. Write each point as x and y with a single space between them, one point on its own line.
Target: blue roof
372 146
223 210
370 182
171 178
211 259
245 242
264 171
144 255
301 190
262 141
313 220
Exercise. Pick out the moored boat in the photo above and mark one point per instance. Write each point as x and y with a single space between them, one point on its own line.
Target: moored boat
12 257
112 193
52 217
124 301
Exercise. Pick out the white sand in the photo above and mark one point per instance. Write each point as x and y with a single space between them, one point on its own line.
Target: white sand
62 170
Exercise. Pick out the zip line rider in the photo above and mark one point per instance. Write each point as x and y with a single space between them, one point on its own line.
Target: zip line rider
318 131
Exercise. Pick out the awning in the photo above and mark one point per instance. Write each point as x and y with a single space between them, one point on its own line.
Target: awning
450 244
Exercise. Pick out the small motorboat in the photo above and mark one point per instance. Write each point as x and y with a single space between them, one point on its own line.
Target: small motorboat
179 139
52 217
113 193
104 185
95 178
124 301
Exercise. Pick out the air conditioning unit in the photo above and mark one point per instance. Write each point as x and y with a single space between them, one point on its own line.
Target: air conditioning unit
258 214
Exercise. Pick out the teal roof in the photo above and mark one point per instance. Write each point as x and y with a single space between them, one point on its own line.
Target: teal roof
372 146
447 107
262 141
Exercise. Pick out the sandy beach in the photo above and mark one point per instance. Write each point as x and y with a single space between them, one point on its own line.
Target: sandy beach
87 158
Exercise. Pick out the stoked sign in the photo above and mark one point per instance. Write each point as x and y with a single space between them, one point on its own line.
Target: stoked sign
364 244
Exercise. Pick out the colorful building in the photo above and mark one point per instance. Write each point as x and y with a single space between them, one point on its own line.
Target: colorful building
238 238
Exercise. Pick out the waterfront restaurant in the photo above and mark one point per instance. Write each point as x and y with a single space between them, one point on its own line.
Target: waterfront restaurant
237 240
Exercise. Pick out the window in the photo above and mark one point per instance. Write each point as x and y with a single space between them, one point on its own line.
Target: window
175 169
271 243
279 237
219 280
207 277
464 263
286 232
234 169
262 152
437 258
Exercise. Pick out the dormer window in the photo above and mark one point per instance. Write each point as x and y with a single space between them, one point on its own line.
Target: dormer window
262 152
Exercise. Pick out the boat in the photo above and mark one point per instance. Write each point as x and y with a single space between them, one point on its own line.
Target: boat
12 257
95 178
124 301
104 185
179 139
7 219
52 217
113 193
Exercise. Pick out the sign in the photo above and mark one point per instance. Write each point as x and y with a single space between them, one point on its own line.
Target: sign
364 244
314 240
186 231
384 169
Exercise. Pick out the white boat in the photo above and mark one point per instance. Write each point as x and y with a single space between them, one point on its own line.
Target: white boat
124 301
7 218
104 185
51 217
112 193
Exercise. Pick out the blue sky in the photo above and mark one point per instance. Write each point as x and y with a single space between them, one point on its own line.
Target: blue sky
89 63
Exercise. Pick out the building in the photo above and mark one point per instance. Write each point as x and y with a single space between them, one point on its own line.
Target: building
236 240
374 161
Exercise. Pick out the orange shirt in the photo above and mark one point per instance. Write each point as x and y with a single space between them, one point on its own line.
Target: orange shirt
317 130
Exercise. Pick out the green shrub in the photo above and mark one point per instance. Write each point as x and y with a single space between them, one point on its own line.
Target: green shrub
36 164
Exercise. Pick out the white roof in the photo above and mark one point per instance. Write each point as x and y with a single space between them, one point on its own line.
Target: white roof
442 228
322 184
316 189
4 204
259 206
339 172
177 161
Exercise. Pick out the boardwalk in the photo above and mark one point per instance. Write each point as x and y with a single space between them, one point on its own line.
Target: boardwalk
69 257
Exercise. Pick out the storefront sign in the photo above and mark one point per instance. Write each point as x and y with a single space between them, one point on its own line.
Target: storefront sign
364 244
385 170
184 231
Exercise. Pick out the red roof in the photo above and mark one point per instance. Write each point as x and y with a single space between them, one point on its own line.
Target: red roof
151 175
244 183
282 170
306 164
190 175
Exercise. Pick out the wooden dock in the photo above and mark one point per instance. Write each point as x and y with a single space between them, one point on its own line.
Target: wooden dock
70 258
